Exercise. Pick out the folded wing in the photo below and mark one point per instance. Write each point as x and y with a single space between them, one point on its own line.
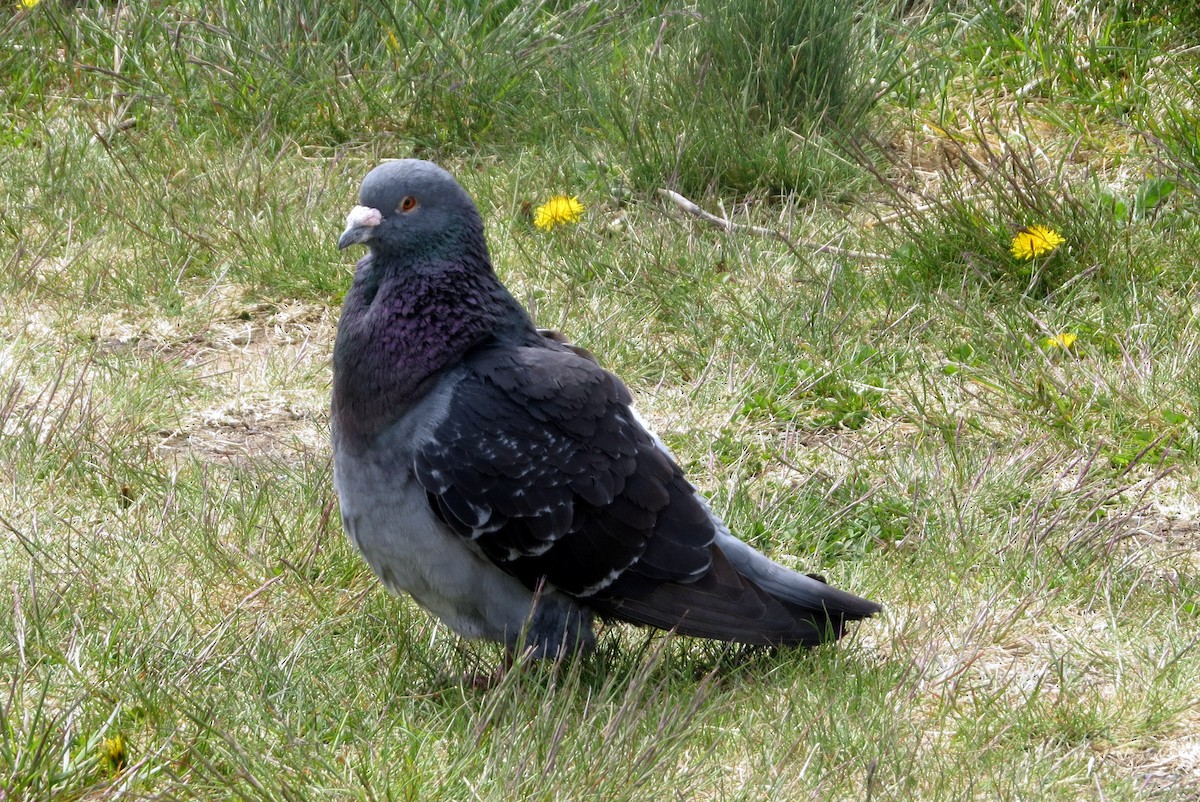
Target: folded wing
540 462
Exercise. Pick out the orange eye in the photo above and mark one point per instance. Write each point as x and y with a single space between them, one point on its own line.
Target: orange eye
408 204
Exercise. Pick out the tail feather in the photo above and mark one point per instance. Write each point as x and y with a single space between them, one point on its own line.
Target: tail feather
807 592
728 604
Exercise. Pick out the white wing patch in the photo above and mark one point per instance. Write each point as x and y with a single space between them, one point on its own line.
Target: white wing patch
607 580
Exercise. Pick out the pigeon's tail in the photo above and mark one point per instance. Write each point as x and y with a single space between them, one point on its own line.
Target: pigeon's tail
746 598
804 591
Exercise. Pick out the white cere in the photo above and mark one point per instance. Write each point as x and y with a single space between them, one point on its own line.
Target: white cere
363 216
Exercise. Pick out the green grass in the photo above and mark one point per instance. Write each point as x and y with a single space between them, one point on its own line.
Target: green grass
172 570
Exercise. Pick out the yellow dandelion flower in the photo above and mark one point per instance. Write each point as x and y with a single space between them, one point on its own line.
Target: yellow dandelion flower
1064 341
113 756
27 3
1034 241
558 211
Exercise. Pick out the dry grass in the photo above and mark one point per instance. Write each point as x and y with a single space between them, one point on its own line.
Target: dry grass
173 568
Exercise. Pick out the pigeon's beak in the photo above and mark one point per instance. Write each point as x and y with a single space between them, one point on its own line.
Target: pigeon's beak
360 226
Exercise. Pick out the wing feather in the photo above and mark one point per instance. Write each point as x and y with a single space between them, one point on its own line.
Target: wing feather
541 462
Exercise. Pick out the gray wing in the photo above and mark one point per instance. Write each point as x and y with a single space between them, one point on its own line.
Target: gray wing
540 461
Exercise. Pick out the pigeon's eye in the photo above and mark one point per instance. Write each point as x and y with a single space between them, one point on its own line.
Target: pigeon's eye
408 204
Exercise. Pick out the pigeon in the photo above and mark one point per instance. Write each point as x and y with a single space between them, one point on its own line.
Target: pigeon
501 477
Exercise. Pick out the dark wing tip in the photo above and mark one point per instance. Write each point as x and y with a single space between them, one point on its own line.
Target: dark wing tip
725 605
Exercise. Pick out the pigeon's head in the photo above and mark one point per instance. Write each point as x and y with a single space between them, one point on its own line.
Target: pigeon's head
411 207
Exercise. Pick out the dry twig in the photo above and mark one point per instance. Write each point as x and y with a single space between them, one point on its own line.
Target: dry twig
770 233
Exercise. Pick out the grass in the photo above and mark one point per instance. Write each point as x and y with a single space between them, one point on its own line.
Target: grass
172 569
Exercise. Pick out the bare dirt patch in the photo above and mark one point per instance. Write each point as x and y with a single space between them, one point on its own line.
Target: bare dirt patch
268 372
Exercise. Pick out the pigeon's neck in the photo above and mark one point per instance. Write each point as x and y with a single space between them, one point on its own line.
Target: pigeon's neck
400 328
